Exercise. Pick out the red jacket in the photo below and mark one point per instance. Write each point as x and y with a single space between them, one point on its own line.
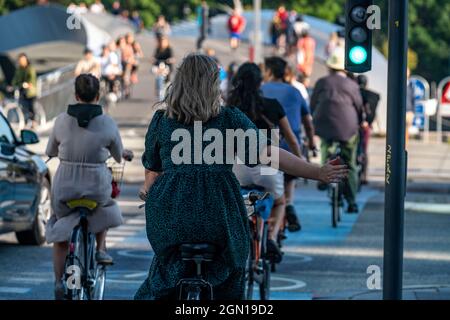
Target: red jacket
236 23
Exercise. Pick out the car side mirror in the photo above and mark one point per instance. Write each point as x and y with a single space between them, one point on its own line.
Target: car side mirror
29 137
7 149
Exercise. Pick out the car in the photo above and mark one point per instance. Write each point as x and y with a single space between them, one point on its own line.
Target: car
25 203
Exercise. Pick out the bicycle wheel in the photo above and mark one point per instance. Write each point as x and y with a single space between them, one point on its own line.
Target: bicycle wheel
98 289
39 114
75 267
15 116
340 193
264 287
334 206
250 273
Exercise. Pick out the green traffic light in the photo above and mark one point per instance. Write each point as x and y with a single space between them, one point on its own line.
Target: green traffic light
358 55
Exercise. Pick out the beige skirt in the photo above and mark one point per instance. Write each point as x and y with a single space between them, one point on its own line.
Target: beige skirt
81 181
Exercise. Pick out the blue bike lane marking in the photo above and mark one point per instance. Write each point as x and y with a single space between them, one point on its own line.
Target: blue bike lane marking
314 210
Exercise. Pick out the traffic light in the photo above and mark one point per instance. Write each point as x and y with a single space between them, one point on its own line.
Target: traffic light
358 36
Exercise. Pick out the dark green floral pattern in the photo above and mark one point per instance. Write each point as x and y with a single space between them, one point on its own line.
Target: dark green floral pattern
194 203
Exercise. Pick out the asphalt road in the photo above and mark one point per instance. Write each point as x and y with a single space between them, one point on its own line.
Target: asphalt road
319 261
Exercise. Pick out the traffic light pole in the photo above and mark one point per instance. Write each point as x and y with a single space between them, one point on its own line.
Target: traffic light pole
396 157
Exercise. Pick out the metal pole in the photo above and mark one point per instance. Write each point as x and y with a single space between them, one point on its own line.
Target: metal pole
395 183
439 123
257 31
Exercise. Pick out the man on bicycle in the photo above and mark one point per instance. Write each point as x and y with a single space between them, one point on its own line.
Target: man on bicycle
297 112
338 114
83 139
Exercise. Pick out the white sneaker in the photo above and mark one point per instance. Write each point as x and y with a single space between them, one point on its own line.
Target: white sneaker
103 258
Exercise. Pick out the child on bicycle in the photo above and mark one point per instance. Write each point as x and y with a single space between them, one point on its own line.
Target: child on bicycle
83 138
191 199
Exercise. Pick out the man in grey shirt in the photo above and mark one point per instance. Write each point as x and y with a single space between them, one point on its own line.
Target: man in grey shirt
337 108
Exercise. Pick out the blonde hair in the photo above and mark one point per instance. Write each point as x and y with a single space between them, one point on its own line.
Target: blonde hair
194 94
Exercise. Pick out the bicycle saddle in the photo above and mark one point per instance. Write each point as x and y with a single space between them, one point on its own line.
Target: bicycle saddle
198 250
82 203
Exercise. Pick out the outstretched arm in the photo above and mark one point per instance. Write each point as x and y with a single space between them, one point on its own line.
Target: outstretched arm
295 166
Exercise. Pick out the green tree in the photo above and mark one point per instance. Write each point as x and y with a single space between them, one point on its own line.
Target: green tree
429 23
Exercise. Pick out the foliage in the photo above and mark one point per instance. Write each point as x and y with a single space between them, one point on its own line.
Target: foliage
429 23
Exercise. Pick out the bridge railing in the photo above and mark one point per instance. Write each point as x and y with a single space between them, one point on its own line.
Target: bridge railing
56 90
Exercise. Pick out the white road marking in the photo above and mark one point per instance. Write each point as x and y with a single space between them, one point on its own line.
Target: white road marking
29 280
135 222
133 254
136 275
438 208
365 252
129 227
14 290
120 232
130 203
296 284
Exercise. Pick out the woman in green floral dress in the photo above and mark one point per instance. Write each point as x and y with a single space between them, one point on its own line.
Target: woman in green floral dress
197 199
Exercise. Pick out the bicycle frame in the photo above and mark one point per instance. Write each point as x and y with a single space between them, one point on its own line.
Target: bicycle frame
89 271
258 266
335 190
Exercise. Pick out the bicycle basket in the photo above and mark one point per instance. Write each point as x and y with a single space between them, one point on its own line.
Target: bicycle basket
117 170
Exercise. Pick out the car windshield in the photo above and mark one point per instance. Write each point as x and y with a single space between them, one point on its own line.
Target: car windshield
6 135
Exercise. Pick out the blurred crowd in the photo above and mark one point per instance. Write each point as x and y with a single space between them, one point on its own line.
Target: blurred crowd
117 63
116 9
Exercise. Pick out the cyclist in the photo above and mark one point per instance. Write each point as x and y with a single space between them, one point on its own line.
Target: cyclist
138 54
338 114
266 114
297 112
161 29
25 79
83 138
370 100
89 64
194 200
164 54
236 25
110 64
128 60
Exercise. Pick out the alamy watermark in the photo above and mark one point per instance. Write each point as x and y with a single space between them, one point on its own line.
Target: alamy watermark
73 281
374 279
73 22
248 147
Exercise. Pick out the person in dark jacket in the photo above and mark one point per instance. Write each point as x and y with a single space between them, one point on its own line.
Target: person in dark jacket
337 108
370 101
203 23
25 79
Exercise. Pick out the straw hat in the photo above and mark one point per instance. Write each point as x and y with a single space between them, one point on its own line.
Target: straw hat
336 61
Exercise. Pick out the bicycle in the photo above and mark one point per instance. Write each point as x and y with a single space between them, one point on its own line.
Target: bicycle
307 153
111 92
335 190
161 71
258 268
84 278
196 287
14 111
